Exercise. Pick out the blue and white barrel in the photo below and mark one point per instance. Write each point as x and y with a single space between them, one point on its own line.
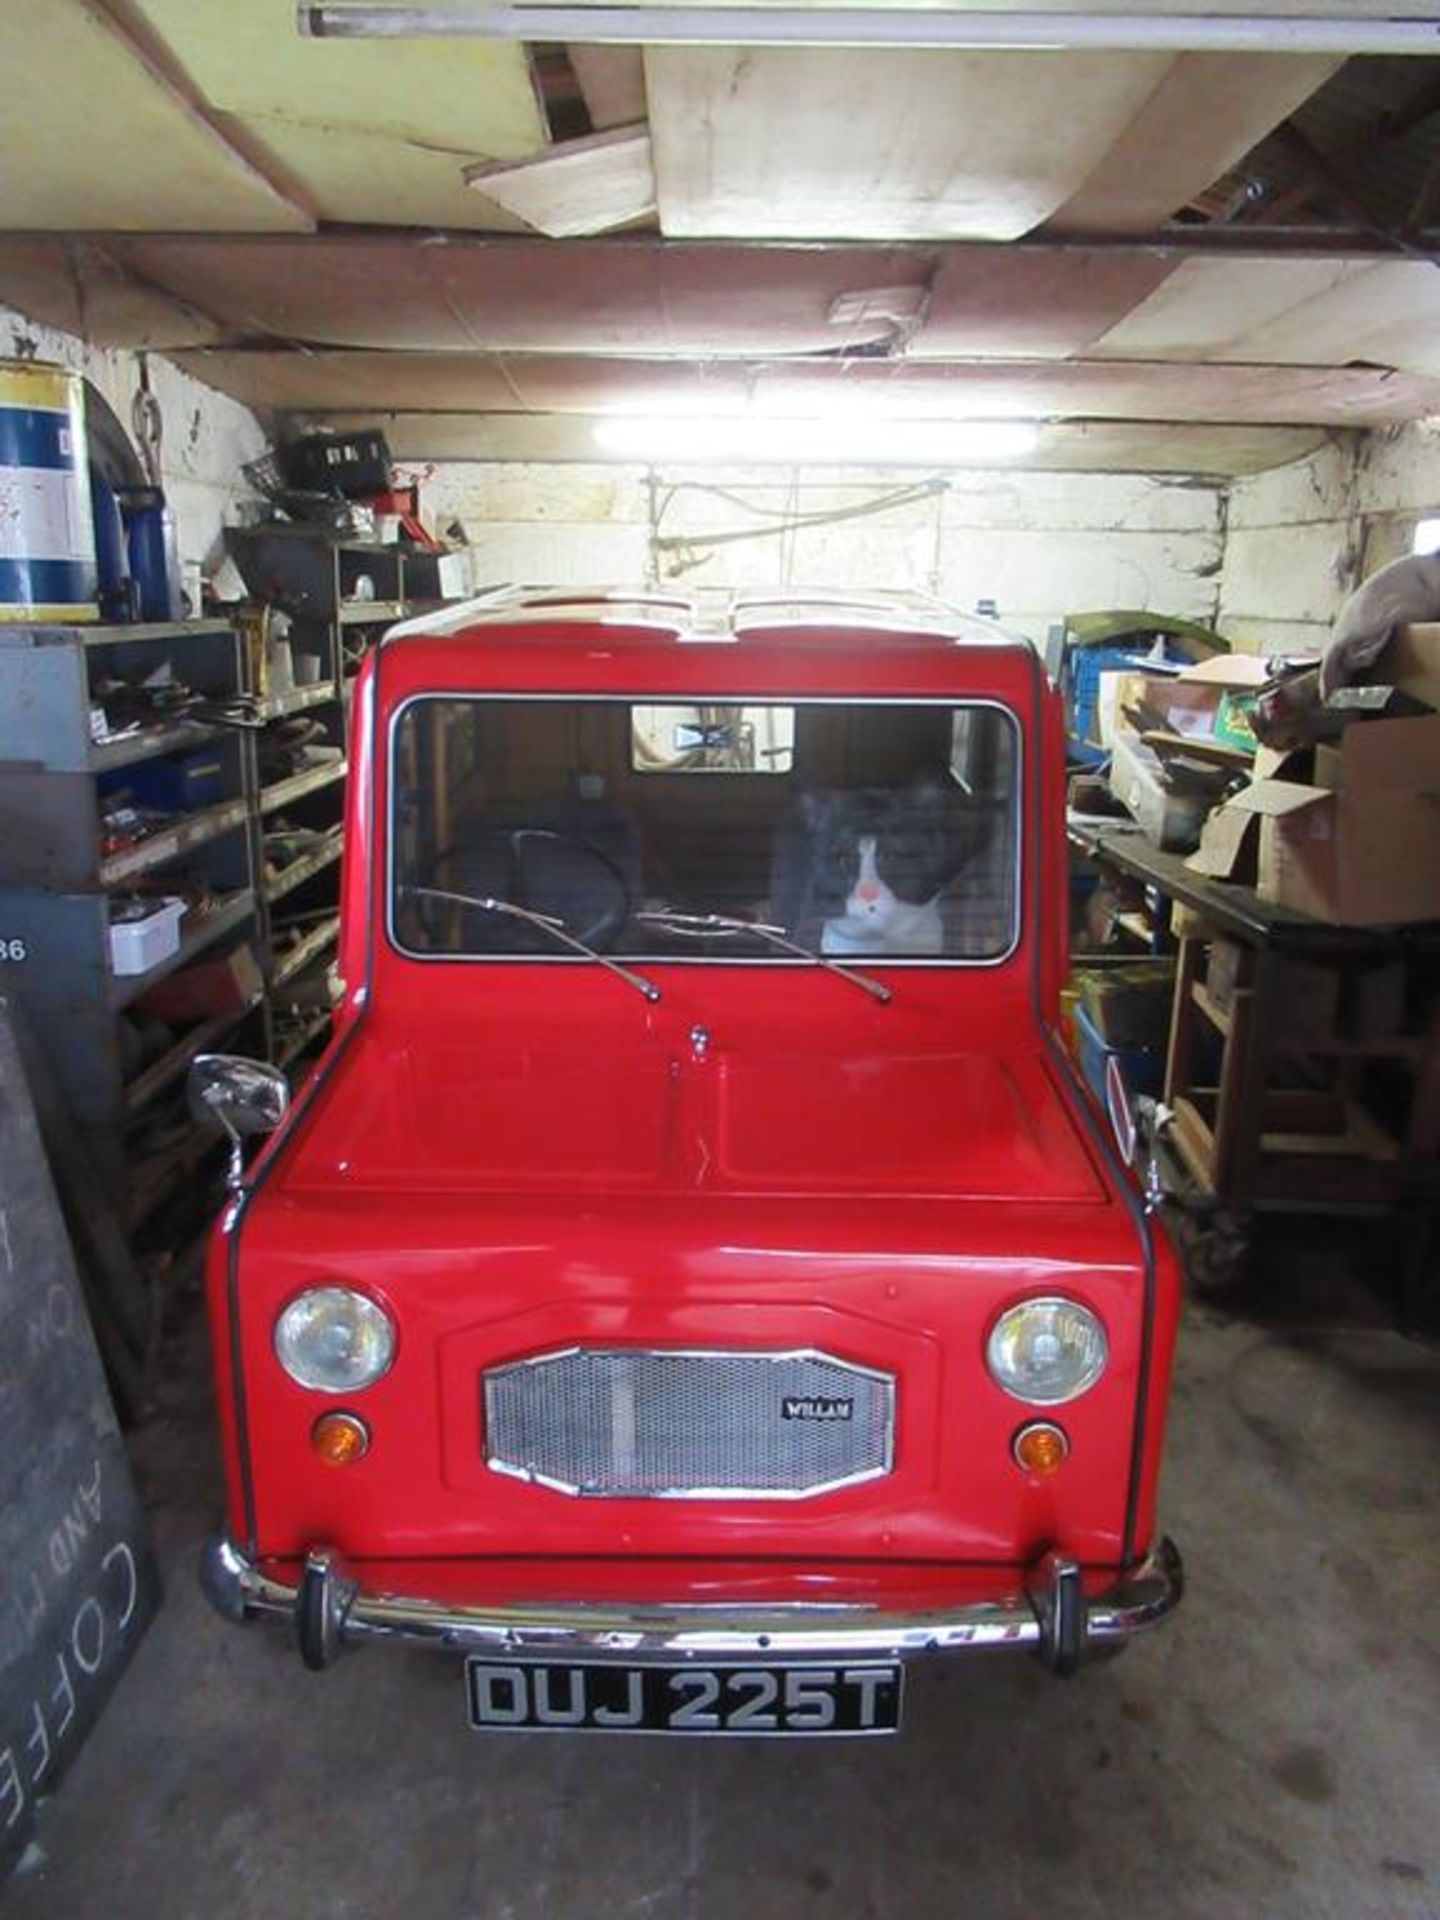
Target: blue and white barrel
47 538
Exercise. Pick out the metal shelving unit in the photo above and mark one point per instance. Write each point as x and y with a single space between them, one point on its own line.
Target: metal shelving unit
158 849
118 1063
299 871
283 792
339 596
114 1062
369 613
165 1071
299 700
130 749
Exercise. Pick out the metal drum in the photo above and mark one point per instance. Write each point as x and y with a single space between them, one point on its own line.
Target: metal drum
47 538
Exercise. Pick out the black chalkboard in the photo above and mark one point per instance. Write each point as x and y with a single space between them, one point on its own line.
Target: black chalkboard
78 1584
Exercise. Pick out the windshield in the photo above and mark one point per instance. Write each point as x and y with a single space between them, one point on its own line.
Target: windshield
879 831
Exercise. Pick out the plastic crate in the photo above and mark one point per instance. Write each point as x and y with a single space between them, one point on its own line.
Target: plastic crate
1143 1067
146 936
348 463
1080 680
1128 1002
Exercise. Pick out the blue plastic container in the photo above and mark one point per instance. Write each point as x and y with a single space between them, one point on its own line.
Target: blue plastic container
178 783
154 560
1081 682
1143 1067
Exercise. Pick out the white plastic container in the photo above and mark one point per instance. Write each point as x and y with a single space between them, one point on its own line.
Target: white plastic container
138 944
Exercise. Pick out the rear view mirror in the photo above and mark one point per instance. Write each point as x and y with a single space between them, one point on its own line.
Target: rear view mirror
712 739
244 1097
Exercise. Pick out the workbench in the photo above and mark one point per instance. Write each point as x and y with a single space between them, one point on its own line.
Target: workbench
1295 1119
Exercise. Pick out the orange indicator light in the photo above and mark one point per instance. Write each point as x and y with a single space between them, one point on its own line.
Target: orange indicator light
1040 1449
340 1438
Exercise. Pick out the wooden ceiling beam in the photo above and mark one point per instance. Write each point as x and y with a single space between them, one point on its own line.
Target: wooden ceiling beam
1422 105
1330 175
1175 240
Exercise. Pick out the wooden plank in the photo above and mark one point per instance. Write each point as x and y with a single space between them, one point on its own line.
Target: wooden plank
612 80
579 187
1208 308
140 1091
1088 447
1195 1144
837 143
367 134
1319 313
160 1177
1360 1139
1204 117
1177 1057
83 287
340 381
1218 1016
1242 1068
96 137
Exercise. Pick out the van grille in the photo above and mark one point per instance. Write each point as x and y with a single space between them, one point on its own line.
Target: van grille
661 1424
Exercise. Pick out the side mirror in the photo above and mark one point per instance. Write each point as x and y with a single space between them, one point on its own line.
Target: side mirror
241 1096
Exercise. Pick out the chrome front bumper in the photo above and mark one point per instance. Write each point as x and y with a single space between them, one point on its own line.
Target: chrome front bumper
1050 1616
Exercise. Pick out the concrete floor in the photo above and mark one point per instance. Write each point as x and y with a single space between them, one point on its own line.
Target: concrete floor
1275 1751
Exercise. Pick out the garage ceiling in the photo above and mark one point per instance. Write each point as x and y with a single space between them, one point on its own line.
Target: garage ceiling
1184 258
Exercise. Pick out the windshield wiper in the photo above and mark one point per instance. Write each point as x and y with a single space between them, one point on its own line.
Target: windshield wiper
547 922
696 926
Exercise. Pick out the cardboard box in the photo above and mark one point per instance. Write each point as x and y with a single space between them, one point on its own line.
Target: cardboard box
1128 1005
1359 843
1230 839
1411 662
1137 780
1198 705
1143 699
205 987
1229 846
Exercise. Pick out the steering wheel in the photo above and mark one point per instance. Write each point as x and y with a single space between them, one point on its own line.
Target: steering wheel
546 871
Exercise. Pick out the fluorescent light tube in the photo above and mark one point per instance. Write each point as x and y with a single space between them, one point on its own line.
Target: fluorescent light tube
1339 32
803 442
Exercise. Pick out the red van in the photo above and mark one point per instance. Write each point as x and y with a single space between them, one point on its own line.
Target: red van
694 1280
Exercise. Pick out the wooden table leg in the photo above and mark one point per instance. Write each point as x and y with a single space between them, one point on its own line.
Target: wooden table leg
1239 1115
1182 1021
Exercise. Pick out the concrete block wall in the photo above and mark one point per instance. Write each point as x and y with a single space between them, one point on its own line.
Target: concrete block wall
1040 545
1269 559
1300 538
206 438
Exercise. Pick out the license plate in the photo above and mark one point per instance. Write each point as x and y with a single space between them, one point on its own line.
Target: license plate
599 1696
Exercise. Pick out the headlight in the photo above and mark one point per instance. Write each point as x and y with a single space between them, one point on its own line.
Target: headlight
1046 1351
334 1341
